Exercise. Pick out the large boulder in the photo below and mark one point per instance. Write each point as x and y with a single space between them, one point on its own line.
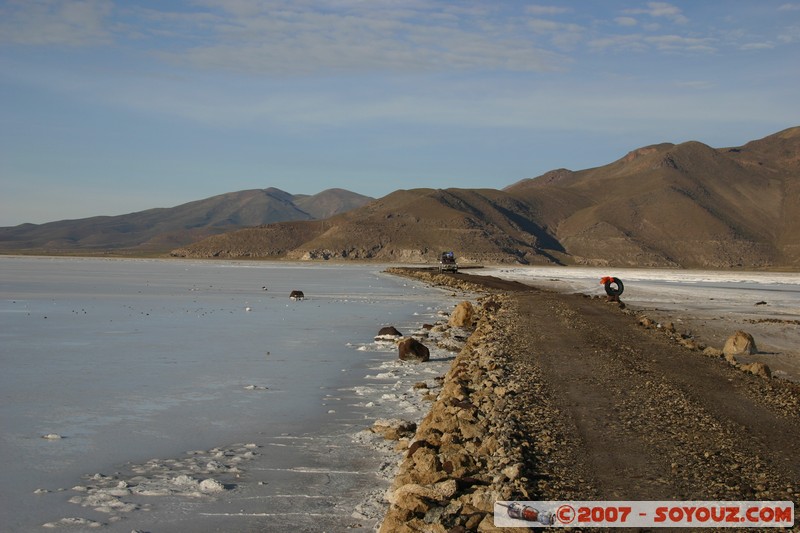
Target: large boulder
411 349
740 343
463 315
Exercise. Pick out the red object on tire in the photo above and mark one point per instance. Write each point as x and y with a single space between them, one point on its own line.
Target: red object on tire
613 291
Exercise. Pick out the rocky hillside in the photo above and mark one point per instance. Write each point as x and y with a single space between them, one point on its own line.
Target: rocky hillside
484 225
665 205
686 204
165 228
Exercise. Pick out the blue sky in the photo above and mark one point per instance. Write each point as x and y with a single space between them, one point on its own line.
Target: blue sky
109 107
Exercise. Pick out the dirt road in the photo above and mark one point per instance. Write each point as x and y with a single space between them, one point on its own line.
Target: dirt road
616 411
559 397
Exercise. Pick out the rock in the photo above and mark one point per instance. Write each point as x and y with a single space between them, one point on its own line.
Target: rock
512 472
463 315
758 369
396 524
412 350
646 322
390 330
388 333
410 500
689 344
712 352
297 295
438 492
427 470
394 428
487 525
740 343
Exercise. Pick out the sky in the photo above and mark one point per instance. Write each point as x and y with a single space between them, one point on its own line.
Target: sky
110 107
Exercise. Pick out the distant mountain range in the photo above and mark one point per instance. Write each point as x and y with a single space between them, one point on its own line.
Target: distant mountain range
665 205
160 230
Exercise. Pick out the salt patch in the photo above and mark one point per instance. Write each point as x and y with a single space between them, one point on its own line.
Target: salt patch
211 485
193 477
73 522
382 375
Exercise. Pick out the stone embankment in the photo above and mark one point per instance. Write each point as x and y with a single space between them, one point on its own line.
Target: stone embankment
467 453
464 455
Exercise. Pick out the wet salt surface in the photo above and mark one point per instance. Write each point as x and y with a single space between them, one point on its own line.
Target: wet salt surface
186 397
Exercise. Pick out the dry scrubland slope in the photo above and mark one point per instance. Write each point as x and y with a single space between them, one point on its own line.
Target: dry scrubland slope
663 205
166 228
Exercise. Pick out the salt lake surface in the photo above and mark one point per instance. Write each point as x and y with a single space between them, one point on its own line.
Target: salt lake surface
134 363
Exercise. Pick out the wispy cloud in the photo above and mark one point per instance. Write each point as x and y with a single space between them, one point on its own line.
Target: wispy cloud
789 35
663 43
626 21
304 38
291 38
54 22
660 10
539 10
757 46
694 84
562 35
681 43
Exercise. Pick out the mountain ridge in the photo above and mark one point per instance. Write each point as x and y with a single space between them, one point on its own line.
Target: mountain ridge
662 205
161 229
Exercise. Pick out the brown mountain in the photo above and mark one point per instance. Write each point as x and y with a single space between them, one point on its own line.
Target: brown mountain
685 204
162 229
413 225
663 205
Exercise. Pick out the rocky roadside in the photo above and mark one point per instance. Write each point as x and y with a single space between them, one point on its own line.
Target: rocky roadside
467 452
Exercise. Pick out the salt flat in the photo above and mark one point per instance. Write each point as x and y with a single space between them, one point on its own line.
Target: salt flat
160 375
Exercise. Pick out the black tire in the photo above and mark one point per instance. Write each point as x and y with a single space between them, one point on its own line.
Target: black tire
612 291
